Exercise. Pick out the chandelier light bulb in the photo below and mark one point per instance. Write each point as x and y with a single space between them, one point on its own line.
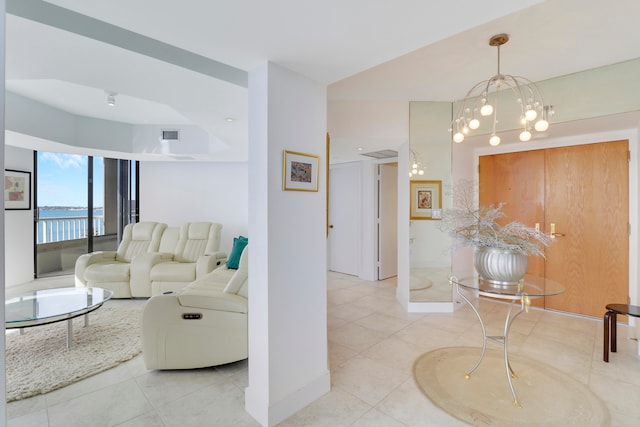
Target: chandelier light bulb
414 171
530 115
494 140
541 125
420 172
414 165
458 137
486 110
465 130
525 136
474 124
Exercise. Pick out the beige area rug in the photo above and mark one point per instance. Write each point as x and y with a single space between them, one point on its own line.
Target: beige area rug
548 397
38 361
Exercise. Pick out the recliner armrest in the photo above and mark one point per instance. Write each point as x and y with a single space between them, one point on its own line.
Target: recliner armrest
209 262
214 300
141 271
86 260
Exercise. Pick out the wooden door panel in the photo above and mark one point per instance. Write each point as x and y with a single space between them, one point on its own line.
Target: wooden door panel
517 180
586 196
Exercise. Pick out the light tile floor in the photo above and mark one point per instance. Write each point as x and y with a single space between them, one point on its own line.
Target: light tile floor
372 346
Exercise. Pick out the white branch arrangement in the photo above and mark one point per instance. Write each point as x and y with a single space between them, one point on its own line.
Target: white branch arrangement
469 225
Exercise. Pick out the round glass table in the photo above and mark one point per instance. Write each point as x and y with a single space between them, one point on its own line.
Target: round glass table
42 307
530 287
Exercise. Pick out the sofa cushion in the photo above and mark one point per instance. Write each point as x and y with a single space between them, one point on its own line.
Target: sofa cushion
216 280
173 271
108 272
239 244
169 240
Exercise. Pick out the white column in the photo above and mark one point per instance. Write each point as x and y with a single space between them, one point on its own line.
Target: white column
288 366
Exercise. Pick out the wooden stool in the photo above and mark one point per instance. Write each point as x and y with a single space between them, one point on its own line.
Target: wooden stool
610 321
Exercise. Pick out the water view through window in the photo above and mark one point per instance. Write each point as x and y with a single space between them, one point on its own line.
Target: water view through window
62 192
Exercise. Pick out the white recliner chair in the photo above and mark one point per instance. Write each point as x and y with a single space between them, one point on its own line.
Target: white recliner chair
111 269
185 255
203 324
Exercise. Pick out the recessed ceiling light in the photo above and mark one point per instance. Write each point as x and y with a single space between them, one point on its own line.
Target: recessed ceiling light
230 119
360 148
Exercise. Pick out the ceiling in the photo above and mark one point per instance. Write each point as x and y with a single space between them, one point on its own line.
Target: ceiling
186 63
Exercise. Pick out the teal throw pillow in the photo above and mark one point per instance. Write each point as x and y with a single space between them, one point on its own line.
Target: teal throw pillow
239 244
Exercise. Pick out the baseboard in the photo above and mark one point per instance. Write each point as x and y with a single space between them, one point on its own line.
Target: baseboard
430 307
269 415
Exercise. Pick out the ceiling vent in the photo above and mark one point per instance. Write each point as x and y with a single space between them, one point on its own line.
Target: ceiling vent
170 135
382 154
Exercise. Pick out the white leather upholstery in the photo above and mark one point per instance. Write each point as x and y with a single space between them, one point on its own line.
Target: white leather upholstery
200 325
185 255
112 269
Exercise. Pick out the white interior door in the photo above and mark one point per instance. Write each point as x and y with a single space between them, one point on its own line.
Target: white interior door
344 213
387 221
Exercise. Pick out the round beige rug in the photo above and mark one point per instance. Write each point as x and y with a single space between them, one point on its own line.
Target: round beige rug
548 397
38 361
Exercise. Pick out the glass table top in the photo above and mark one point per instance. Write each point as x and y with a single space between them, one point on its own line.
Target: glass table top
532 286
52 305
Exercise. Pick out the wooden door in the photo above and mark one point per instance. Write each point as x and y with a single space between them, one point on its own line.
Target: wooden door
587 198
583 190
517 181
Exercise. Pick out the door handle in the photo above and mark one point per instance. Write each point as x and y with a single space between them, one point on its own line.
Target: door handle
330 225
553 232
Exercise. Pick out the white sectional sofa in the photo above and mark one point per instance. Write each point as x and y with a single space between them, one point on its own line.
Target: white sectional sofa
203 324
153 258
185 254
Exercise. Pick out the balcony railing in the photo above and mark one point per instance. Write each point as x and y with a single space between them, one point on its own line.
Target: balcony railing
67 228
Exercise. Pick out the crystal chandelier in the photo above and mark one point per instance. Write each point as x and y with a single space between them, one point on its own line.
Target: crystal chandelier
534 115
416 165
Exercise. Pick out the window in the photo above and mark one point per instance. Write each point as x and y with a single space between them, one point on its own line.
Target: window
78 202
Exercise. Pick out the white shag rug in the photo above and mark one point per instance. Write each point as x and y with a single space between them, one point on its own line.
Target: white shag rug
38 361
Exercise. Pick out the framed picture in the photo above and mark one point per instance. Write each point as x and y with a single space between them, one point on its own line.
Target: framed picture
426 199
17 190
300 171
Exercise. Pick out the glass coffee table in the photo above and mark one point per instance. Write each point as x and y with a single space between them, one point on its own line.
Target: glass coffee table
524 291
39 308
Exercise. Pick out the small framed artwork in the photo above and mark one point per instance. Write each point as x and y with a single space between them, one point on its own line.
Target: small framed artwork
17 189
300 171
426 200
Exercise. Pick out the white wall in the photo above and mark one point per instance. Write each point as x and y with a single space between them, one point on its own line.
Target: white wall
18 225
178 192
